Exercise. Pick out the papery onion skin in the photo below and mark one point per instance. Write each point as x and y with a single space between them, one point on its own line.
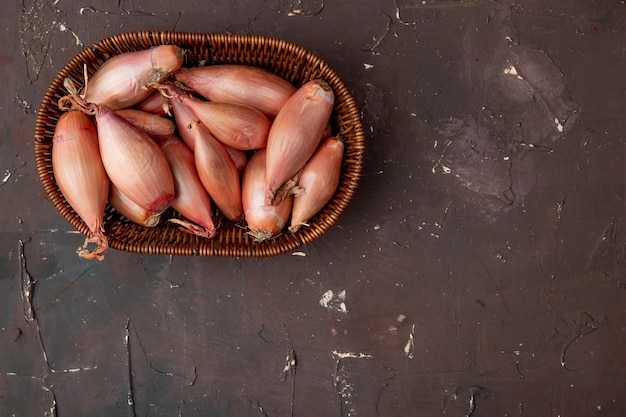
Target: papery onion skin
241 84
295 134
123 80
129 209
134 162
80 175
159 128
318 182
264 221
216 170
191 199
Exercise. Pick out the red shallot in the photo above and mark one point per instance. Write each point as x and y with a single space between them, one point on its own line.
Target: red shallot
318 182
191 199
264 221
133 161
216 169
124 80
295 134
81 177
241 84
235 125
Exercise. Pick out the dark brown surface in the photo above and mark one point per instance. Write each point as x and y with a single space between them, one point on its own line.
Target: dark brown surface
481 265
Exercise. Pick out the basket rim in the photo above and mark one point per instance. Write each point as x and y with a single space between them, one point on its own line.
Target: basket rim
234 242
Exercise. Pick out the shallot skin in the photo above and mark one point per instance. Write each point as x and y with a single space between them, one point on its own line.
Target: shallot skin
123 80
318 182
191 199
80 175
129 209
134 162
216 170
295 134
158 127
264 220
235 125
241 84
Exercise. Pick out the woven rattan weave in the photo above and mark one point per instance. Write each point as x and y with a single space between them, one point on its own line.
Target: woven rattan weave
286 59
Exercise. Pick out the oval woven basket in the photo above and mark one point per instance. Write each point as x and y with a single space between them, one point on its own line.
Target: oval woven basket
288 60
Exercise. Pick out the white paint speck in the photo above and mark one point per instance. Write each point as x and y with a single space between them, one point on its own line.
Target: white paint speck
559 126
512 71
326 298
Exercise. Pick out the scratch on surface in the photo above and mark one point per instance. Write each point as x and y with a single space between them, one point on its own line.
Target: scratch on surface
377 40
409 348
290 368
27 283
296 10
586 325
503 300
63 28
130 393
53 407
439 164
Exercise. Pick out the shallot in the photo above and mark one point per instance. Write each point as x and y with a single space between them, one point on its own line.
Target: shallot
157 127
124 80
241 84
129 209
216 169
235 125
295 134
318 182
133 161
81 177
191 199
264 220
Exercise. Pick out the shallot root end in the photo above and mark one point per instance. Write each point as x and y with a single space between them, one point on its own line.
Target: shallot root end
295 227
194 229
260 235
98 253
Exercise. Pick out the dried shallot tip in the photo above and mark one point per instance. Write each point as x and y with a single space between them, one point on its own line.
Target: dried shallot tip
155 104
296 133
216 170
123 80
240 84
129 209
235 125
190 197
134 162
318 182
157 127
264 220
79 172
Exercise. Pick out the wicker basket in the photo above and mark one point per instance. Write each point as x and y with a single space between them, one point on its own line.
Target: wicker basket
290 61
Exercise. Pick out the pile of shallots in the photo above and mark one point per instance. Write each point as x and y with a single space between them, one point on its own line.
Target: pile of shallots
145 134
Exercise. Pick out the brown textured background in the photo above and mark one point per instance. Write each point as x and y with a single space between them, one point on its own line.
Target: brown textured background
480 269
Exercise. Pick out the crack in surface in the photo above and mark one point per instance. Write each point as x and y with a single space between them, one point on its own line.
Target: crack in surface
586 325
